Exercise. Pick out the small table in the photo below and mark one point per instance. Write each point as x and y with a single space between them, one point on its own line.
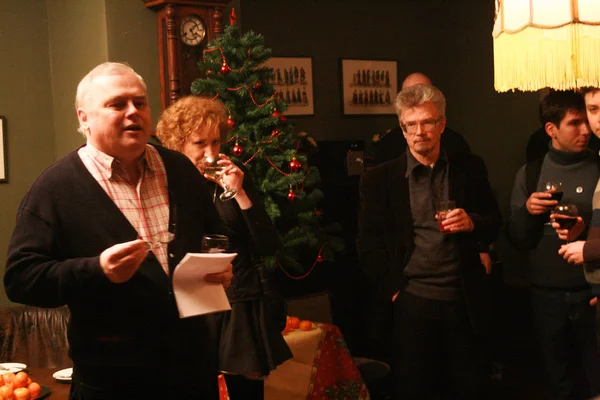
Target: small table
321 368
43 376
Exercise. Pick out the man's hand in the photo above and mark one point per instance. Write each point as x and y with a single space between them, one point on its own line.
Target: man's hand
486 260
458 220
122 260
224 278
540 203
568 234
572 252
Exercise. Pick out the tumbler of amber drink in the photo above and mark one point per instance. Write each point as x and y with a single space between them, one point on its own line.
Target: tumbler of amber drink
442 208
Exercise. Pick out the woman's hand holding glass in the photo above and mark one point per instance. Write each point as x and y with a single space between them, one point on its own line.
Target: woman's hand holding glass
225 173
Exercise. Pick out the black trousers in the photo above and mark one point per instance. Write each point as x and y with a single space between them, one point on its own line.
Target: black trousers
435 348
99 383
565 327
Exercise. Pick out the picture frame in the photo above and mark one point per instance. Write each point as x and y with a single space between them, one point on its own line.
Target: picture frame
369 87
3 152
293 80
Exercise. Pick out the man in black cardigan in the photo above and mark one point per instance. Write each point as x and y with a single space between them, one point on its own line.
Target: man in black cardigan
77 241
435 279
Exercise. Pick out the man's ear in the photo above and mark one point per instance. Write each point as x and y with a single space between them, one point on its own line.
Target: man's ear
83 119
550 129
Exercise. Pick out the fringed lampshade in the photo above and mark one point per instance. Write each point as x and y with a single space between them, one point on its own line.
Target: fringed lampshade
546 43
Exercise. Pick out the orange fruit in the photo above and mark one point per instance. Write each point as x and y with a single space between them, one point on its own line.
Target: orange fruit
306 325
34 389
295 322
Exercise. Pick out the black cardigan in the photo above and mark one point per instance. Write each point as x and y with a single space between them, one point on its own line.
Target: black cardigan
385 235
63 224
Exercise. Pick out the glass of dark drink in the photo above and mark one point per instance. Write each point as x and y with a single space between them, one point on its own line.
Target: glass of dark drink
565 215
214 243
556 188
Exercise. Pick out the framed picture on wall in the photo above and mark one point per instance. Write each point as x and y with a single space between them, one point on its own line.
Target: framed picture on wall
3 161
369 87
293 80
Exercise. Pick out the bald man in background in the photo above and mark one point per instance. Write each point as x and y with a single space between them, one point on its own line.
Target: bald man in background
393 143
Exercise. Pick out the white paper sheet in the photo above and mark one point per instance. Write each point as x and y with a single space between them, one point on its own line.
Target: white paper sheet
195 296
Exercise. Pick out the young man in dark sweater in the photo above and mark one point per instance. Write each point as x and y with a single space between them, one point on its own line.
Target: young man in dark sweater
564 322
101 231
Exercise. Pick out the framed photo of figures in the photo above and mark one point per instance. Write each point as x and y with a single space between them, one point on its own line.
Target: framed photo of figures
369 87
293 80
3 152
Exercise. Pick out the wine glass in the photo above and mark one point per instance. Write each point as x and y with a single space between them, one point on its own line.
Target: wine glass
565 215
214 243
215 172
558 189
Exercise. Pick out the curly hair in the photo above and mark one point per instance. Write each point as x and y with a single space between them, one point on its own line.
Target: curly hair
188 116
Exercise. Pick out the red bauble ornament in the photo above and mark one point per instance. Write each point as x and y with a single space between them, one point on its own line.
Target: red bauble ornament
237 150
230 122
274 133
295 165
317 213
225 68
291 196
275 113
257 85
320 258
282 118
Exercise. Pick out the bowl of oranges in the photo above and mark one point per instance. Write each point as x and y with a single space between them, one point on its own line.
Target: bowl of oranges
19 386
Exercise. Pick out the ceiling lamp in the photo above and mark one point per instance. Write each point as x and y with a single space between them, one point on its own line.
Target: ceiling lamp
546 43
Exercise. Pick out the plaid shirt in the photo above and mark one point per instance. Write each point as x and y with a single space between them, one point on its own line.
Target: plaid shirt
144 203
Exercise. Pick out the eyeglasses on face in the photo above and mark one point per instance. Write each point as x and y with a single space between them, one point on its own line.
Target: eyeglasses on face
427 125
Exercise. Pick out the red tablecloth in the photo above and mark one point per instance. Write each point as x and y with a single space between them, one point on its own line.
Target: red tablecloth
322 368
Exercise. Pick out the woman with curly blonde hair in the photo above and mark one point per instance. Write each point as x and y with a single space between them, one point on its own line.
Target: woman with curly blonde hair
251 342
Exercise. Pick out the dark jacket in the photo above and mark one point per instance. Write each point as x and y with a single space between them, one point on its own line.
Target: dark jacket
385 239
63 224
252 235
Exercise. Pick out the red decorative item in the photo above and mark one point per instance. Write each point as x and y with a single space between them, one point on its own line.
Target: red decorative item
225 68
230 122
274 133
275 113
295 165
320 258
257 85
237 150
291 196
317 213
282 118
232 17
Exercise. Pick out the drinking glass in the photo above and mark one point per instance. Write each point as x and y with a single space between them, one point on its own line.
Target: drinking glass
215 172
442 208
558 189
214 243
565 215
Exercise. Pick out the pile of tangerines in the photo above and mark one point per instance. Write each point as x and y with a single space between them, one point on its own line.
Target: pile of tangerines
18 386
293 323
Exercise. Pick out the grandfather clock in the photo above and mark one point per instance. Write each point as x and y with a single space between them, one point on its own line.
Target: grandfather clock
184 29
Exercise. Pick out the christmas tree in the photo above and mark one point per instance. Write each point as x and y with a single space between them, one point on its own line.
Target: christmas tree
232 69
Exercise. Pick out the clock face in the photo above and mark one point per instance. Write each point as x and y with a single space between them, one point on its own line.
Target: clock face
192 30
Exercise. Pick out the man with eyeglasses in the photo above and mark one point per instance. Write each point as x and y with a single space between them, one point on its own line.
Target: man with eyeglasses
564 324
430 266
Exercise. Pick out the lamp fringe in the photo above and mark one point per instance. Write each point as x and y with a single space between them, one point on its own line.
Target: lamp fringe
563 58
